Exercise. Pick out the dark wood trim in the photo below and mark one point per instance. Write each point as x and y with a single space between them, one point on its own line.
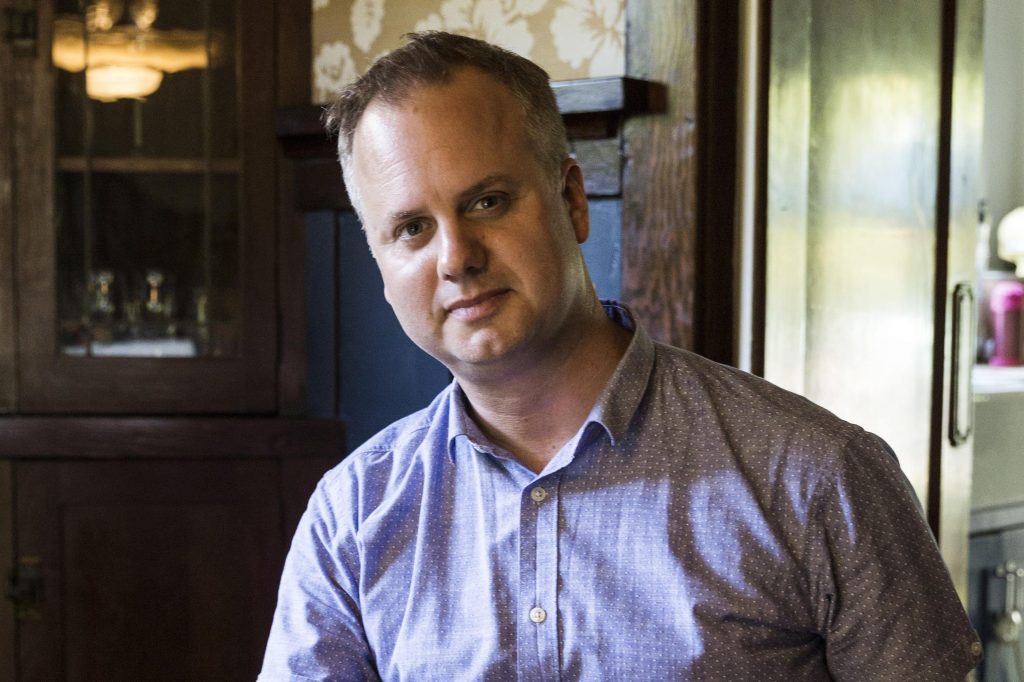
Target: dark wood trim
293 87
291 315
942 216
258 218
659 219
8 338
77 164
760 304
717 135
593 110
169 437
33 170
7 543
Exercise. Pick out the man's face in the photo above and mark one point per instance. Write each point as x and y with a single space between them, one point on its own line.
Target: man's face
478 248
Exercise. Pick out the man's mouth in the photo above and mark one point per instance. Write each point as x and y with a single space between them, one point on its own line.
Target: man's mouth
471 308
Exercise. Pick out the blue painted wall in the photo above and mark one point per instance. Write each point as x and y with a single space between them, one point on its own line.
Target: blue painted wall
360 366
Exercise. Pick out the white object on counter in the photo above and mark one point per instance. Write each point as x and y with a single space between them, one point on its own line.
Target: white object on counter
1011 238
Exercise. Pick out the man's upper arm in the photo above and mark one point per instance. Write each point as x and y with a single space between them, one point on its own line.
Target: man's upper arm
317 632
893 612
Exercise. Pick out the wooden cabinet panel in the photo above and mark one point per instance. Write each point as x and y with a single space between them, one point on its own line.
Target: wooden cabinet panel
154 570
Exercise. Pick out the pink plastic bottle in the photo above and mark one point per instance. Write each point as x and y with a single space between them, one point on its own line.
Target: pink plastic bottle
1007 305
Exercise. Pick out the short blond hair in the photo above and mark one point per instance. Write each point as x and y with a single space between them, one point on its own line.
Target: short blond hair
431 58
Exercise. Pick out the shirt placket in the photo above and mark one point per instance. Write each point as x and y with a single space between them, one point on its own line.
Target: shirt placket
537 633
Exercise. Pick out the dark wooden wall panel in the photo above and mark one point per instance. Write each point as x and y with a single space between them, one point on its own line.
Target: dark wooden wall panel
153 570
659 181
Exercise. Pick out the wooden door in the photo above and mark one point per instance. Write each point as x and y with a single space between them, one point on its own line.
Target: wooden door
872 144
151 570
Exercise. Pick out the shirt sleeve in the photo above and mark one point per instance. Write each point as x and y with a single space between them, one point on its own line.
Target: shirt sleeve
892 611
317 632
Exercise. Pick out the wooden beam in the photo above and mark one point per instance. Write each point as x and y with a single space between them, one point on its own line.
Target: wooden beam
625 96
659 222
169 437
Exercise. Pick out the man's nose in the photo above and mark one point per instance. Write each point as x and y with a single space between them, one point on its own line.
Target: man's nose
462 250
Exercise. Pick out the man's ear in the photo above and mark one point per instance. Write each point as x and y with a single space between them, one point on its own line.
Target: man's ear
575 196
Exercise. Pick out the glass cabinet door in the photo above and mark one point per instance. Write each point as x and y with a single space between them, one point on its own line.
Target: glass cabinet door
146 179
146 215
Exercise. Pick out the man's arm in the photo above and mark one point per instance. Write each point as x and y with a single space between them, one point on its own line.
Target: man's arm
892 610
317 633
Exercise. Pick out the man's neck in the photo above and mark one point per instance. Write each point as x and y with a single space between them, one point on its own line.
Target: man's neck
533 411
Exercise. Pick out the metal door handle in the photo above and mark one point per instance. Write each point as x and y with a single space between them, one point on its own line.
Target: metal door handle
961 397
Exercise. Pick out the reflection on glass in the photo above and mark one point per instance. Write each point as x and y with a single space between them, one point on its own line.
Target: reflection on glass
853 131
127 60
147 178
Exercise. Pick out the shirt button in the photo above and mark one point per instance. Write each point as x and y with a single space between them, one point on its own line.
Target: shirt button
976 649
538 494
537 614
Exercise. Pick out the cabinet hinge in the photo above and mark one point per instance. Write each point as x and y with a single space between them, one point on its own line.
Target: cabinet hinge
25 588
19 28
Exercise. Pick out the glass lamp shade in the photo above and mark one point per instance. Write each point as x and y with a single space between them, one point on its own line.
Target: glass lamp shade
126 62
110 83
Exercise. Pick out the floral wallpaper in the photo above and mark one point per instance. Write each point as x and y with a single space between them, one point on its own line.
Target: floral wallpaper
568 38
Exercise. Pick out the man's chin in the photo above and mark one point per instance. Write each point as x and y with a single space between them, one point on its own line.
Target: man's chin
483 352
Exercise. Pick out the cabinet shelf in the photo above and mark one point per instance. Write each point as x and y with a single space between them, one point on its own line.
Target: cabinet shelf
130 164
988 379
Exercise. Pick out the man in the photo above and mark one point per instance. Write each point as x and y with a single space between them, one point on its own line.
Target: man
580 503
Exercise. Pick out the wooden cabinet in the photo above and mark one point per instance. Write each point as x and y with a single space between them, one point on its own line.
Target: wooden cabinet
148 548
148 570
143 250
154 456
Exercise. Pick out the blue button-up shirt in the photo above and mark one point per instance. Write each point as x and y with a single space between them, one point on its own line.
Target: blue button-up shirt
701 525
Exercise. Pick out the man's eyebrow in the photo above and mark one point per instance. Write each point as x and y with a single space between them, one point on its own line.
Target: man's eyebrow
489 181
464 195
401 216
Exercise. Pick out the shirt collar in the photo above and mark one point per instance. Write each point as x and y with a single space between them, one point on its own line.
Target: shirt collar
621 396
615 406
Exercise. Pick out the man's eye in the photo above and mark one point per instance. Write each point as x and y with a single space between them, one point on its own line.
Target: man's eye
411 229
487 203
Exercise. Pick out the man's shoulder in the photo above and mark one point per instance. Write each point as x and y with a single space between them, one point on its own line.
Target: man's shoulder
414 438
745 402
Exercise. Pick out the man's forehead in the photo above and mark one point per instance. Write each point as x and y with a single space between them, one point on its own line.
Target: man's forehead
466 112
466 88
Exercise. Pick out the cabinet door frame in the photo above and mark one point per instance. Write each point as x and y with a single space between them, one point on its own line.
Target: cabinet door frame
8 639
8 344
49 382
